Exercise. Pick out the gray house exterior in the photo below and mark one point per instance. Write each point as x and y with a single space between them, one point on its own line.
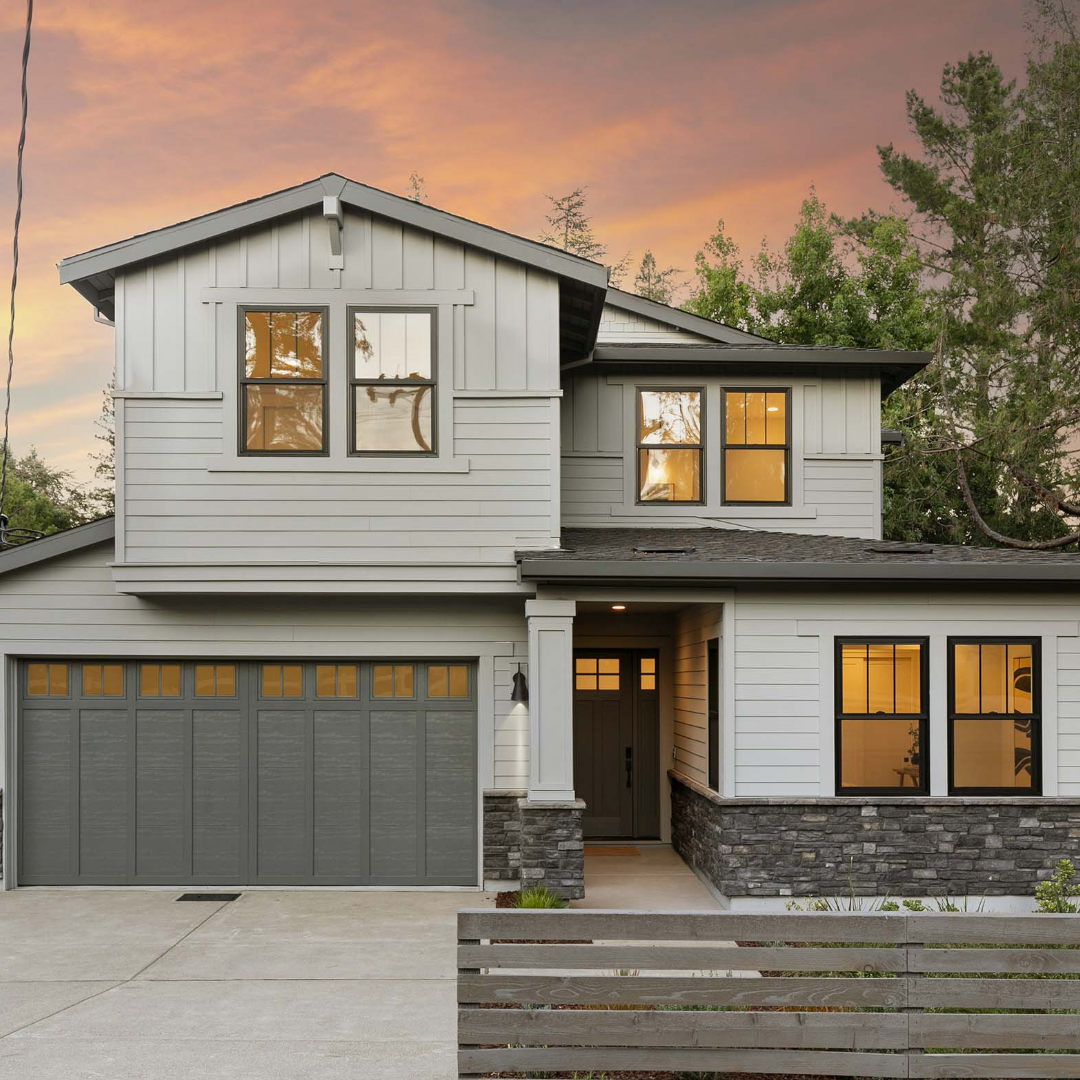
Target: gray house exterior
374 461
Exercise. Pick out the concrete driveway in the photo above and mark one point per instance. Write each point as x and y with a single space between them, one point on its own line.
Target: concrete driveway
118 984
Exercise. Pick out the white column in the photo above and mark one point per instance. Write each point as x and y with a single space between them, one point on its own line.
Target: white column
551 704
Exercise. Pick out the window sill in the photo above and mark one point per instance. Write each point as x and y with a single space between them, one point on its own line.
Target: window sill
714 513
350 465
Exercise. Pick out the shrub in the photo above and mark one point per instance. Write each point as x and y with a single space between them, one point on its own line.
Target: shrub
1059 894
538 896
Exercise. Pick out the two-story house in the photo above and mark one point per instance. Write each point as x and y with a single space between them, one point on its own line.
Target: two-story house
434 555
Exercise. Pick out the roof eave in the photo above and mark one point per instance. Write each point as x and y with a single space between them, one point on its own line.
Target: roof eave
684 320
61 543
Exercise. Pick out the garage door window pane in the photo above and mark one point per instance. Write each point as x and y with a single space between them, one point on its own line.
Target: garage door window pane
47 680
282 680
335 680
450 681
392 681
105 680
159 680
215 680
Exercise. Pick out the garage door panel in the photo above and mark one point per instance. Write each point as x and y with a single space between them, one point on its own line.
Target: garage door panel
104 738
450 834
394 816
218 795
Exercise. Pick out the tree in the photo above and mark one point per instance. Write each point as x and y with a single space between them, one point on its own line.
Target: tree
417 189
653 283
994 207
41 498
569 227
104 459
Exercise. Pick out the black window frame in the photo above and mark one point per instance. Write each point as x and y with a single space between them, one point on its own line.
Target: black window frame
1035 716
725 445
698 447
393 309
922 717
244 381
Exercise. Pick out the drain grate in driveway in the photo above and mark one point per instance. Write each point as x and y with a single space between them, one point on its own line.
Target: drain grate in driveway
221 897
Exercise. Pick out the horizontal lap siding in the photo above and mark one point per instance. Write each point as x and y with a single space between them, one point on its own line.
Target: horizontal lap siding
694 626
69 604
1069 716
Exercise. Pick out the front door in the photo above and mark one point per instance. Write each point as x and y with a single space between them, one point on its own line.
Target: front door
616 742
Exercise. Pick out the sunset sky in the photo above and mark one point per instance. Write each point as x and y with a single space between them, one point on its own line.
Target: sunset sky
675 114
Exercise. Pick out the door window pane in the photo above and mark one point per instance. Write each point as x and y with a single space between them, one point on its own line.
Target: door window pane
283 417
105 680
648 673
877 754
755 476
585 673
393 418
993 754
47 680
670 475
609 674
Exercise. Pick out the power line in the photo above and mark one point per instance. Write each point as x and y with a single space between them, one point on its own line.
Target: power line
15 273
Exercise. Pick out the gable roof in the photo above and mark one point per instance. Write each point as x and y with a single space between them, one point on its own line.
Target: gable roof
61 543
684 320
734 556
92 273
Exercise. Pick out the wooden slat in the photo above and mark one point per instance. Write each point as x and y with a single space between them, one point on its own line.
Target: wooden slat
812 1063
647 1027
686 958
1005 1066
683 926
993 1031
995 994
1004 961
641 990
994 929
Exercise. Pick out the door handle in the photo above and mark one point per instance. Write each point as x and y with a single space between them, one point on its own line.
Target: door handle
629 766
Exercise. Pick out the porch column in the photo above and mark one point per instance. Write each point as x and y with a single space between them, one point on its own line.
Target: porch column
551 706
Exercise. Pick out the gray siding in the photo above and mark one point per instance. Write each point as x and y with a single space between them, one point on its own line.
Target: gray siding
694 626
620 327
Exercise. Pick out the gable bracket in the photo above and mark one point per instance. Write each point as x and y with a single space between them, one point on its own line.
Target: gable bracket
335 220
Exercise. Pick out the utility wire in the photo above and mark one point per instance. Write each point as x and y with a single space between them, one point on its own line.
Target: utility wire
15 267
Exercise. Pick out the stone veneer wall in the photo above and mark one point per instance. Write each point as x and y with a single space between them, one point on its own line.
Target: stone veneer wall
875 845
536 843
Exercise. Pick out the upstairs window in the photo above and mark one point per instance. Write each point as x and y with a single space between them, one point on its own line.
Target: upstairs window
994 716
393 381
670 447
756 447
283 386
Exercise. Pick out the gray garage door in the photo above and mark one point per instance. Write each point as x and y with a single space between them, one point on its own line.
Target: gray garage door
227 772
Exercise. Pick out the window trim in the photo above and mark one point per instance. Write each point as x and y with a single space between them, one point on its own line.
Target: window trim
433 382
243 381
1036 714
699 447
724 446
922 717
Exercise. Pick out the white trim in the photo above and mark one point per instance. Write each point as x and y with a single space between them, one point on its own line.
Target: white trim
332 465
168 395
506 394
727 713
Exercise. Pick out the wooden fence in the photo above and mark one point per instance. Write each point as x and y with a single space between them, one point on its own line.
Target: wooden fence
560 993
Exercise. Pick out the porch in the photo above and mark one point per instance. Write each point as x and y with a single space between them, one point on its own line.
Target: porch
641 877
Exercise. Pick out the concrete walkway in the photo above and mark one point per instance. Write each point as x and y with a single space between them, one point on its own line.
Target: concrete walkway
653 879
124 984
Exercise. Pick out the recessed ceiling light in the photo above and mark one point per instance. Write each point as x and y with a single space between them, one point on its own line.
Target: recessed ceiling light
618 607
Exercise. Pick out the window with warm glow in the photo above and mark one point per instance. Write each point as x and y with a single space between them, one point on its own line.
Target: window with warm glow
103 680
393 381
882 717
596 673
282 681
46 680
215 680
447 681
336 680
159 680
670 454
392 681
994 720
283 386
756 446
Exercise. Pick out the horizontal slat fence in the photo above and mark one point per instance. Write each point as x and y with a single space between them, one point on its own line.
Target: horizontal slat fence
565 993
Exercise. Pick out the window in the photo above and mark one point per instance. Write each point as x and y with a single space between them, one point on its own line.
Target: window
215 680
103 680
447 681
648 673
596 673
159 680
882 717
756 446
670 454
46 680
393 381
335 680
392 681
282 681
994 716
283 386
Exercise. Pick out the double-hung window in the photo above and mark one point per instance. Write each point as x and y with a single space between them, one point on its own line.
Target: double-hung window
756 447
670 447
882 717
994 716
283 382
392 381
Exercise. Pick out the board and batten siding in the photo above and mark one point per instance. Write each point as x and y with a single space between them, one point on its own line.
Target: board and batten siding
69 607
784 675
188 497
694 626
836 457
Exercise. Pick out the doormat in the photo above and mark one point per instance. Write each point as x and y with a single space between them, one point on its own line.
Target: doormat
220 897
614 851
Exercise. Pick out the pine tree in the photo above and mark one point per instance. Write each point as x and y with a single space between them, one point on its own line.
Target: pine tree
654 283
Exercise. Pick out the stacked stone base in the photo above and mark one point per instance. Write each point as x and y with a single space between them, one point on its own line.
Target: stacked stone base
872 846
536 843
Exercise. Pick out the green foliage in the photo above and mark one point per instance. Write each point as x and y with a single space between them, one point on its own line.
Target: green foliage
655 283
914 905
416 189
42 498
538 896
104 495
1061 893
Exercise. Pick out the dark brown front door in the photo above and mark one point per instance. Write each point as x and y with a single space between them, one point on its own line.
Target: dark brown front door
616 742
